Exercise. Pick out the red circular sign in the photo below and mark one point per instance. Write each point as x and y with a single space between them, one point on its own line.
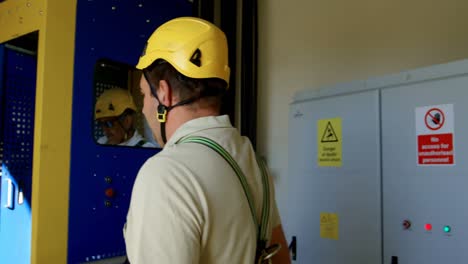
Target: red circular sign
434 119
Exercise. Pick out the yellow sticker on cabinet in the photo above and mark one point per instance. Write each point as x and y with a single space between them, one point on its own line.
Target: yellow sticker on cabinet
329 141
329 226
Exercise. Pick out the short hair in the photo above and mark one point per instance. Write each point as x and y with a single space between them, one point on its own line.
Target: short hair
209 91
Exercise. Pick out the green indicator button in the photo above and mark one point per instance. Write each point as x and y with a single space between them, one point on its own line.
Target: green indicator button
447 229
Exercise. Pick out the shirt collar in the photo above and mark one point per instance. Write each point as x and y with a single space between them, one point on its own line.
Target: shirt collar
199 124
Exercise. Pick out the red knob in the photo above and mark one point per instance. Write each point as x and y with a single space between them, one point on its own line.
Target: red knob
110 192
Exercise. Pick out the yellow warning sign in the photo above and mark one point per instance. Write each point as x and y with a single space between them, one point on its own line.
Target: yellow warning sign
329 142
329 225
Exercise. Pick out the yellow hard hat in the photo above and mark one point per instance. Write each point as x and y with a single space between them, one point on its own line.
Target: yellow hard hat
113 102
195 47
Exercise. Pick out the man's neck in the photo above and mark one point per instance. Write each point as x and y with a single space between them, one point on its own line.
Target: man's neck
181 115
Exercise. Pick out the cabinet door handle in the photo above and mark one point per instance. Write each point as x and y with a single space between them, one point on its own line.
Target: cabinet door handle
10 194
293 248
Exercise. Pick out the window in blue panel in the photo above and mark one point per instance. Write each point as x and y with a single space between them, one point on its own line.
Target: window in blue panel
117 117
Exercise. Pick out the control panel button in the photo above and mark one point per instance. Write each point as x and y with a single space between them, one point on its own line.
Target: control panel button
406 224
108 179
110 192
447 229
428 227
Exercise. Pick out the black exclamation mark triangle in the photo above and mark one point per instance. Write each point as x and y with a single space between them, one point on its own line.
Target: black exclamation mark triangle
329 134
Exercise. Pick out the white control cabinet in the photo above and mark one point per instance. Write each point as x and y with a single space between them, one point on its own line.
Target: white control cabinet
378 170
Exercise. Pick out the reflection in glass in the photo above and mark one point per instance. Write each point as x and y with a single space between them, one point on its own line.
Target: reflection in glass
117 112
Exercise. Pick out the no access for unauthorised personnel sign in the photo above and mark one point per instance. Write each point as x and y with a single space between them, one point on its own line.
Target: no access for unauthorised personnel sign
434 132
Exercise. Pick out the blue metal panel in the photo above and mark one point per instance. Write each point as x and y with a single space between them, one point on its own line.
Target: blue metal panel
18 102
2 63
116 30
2 55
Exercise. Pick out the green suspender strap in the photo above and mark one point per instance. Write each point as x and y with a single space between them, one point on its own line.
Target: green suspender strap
263 253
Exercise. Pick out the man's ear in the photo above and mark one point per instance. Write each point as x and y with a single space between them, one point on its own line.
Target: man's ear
165 93
128 121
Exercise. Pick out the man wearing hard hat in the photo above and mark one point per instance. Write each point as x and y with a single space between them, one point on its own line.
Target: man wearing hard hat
205 198
115 113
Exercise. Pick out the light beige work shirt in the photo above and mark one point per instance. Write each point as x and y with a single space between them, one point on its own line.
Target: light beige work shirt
188 205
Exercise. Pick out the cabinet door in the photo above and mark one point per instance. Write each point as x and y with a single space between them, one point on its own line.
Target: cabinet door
335 202
428 196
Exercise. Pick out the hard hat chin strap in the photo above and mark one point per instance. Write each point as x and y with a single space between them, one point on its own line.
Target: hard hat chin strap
163 110
162 117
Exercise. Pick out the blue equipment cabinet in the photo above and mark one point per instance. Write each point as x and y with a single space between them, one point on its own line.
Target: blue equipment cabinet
17 101
101 177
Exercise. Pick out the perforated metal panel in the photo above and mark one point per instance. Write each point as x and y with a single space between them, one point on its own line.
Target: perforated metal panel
2 66
116 31
18 101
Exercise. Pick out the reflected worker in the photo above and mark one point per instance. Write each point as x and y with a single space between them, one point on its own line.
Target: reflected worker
115 112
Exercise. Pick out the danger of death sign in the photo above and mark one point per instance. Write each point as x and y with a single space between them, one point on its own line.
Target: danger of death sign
435 135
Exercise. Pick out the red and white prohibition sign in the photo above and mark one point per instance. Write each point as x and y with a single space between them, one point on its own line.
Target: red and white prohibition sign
434 119
435 135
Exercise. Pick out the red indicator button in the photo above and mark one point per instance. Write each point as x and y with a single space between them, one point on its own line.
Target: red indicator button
428 227
110 192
